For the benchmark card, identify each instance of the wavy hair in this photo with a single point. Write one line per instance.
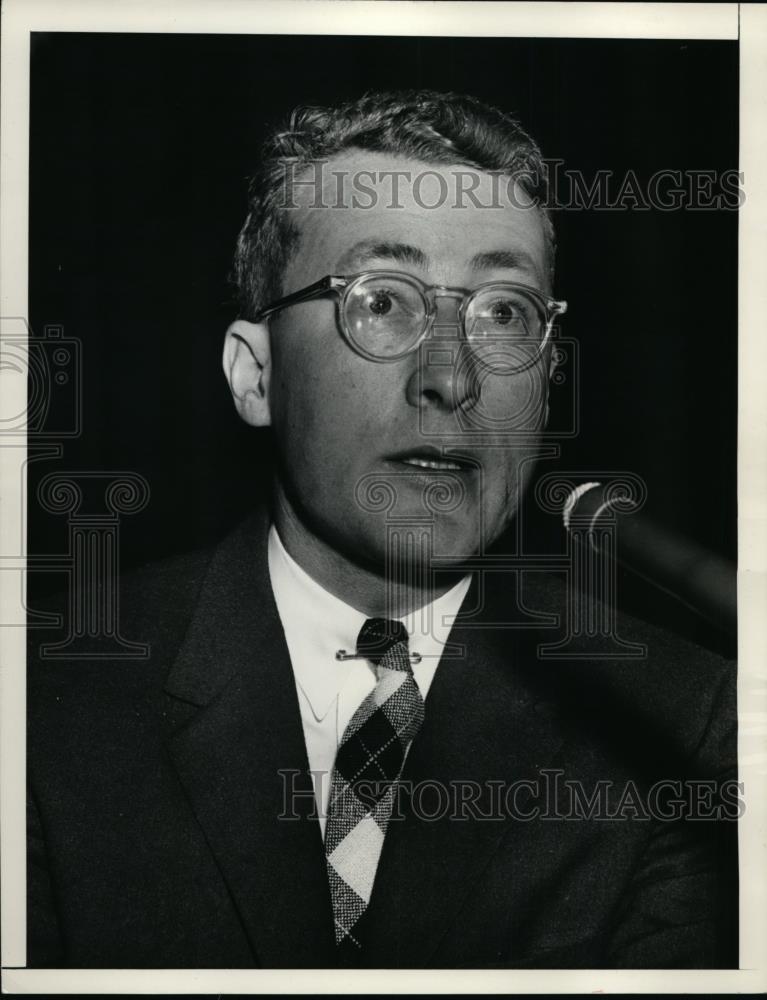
(436, 128)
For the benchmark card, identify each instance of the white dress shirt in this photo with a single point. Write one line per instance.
(316, 626)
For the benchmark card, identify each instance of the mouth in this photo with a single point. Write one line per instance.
(431, 460)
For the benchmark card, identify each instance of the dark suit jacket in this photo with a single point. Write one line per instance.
(155, 792)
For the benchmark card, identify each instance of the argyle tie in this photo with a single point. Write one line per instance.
(368, 765)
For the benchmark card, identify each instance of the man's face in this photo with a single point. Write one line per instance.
(438, 439)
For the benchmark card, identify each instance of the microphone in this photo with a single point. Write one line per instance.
(698, 578)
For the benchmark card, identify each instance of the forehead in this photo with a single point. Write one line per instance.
(450, 223)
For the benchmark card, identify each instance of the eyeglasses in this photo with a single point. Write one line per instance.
(386, 315)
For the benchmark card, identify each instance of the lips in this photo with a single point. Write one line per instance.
(425, 463)
(431, 460)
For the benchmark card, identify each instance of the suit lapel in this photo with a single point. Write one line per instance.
(237, 744)
(481, 726)
(236, 741)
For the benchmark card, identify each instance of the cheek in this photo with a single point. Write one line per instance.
(301, 379)
(320, 413)
(508, 404)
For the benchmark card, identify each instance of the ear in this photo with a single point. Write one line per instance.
(247, 366)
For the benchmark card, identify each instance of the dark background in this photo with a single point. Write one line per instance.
(140, 150)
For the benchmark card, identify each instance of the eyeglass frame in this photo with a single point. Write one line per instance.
(342, 285)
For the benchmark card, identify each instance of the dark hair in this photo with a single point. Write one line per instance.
(442, 128)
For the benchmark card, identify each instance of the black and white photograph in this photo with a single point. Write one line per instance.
(382, 593)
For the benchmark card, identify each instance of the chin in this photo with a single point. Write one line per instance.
(415, 545)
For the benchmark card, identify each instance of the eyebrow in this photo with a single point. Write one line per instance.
(366, 250)
(498, 259)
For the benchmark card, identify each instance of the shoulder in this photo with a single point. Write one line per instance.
(594, 628)
(119, 639)
(618, 670)
(124, 635)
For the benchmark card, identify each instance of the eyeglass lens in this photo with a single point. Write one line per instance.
(386, 315)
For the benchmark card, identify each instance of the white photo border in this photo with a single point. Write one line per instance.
(746, 23)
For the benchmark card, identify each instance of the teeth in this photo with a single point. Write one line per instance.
(424, 463)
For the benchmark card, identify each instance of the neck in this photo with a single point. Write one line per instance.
(365, 588)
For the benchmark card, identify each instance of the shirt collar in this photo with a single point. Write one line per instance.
(317, 624)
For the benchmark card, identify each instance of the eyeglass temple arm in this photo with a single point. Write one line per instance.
(326, 284)
(556, 308)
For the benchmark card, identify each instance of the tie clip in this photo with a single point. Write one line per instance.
(341, 654)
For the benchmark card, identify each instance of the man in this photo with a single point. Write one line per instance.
(340, 751)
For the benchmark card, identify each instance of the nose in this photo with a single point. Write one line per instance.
(442, 377)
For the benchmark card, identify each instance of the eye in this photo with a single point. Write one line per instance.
(380, 302)
(503, 312)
